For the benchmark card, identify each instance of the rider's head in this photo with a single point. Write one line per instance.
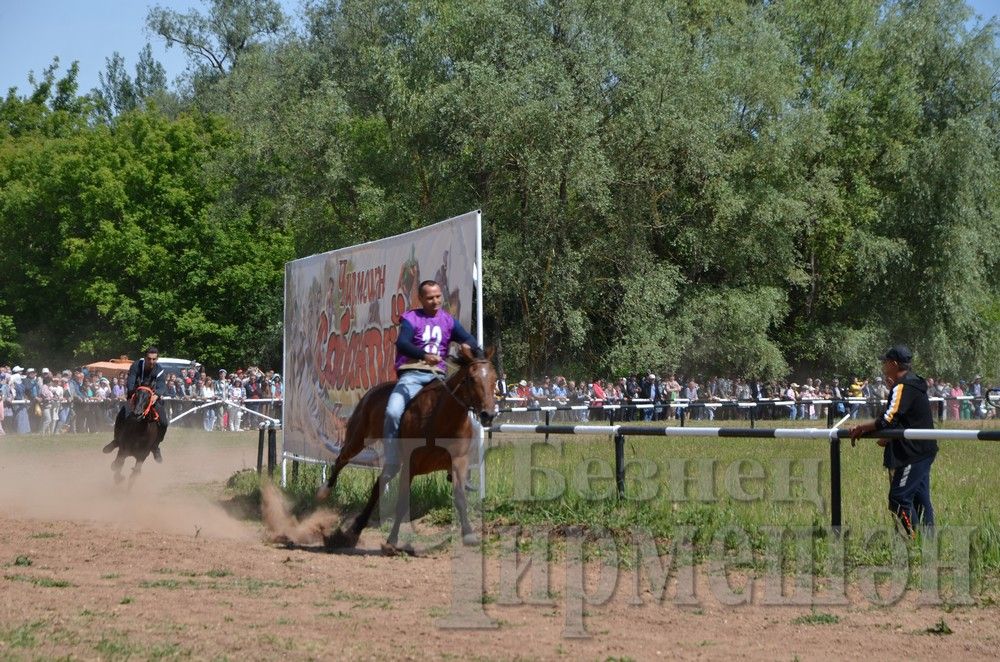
(151, 355)
(430, 297)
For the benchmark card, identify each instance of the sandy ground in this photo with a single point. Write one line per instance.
(90, 572)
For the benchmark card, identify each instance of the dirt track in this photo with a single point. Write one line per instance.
(169, 573)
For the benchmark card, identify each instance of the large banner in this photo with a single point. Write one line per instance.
(342, 313)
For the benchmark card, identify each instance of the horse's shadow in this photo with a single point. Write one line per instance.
(337, 551)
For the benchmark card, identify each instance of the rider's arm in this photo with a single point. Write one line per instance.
(160, 385)
(461, 336)
(133, 378)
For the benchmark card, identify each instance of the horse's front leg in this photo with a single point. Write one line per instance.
(136, 470)
(116, 466)
(391, 546)
(459, 476)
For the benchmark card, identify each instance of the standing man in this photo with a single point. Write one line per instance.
(908, 460)
(650, 391)
(145, 372)
(424, 336)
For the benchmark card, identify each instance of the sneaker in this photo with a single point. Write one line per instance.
(157, 456)
(110, 447)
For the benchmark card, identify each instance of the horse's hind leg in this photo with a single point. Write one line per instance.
(349, 538)
(324, 492)
(402, 511)
(340, 539)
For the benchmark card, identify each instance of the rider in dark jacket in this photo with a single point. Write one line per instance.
(145, 372)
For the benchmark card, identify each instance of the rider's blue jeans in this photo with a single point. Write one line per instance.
(409, 384)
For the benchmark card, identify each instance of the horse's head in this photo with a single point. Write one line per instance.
(478, 384)
(141, 403)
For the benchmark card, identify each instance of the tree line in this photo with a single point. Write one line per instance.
(747, 187)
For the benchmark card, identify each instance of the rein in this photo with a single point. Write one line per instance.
(149, 406)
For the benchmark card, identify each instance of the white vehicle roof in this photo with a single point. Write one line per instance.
(166, 359)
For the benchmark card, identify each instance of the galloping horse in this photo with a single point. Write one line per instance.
(435, 433)
(138, 433)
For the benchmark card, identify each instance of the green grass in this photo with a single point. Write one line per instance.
(583, 491)
(817, 618)
(940, 628)
(116, 646)
(45, 582)
(22, 636)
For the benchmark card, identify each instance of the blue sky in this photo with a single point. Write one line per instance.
(33, 31)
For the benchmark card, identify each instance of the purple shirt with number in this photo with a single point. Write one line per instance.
(431, 335)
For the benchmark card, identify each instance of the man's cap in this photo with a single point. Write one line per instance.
(46, 371)
(67, 373)
(222, 371)
(899, 354)
(522, 383)
(794, 385)
(17, 369)
(30, 370)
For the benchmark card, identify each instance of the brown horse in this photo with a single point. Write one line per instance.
(138, 434)
(435, 433)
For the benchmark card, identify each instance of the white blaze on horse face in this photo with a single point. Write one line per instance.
(484, 390)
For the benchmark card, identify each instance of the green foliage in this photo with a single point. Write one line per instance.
(114, 241)
(732, 332)
(706, 187)
(120, 92)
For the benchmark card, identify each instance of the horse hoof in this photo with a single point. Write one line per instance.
(470, 539)
(339, 540)
(323, 493)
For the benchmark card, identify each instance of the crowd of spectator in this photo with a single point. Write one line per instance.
(82, 400)
(708, 398)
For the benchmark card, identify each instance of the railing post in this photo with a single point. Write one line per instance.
(835, 512)
(260, 449)
(753, 415)
(548, 421)
(830, 413)
(272, 450)
(620, 464)
(683, 415)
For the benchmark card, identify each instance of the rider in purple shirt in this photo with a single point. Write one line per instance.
(424, 336)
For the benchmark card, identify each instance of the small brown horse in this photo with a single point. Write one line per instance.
(435, 433)
(138, 434)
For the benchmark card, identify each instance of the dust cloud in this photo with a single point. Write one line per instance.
(283, 527)
(42, 480)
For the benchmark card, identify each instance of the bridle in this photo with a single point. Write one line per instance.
(468, 378)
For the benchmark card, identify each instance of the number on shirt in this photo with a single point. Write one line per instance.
(432, 340)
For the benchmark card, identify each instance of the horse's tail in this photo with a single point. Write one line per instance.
(357, 424)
